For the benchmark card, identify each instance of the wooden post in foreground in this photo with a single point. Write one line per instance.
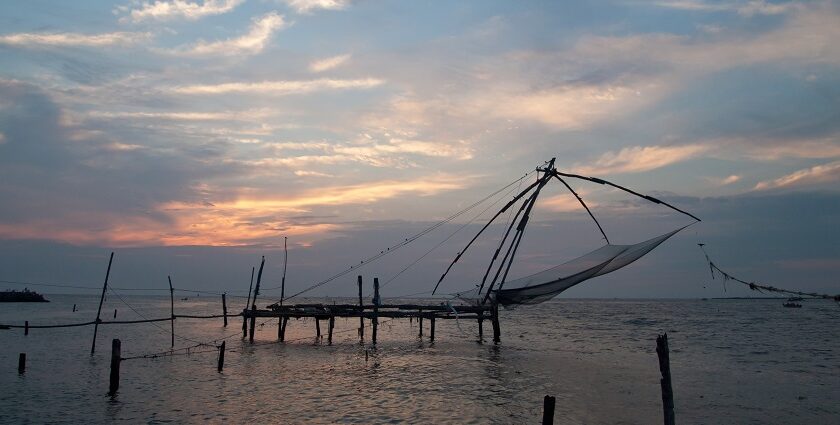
(548, 410)
(224, 308)
(361, 312)
(171, 309)
(420, 323)
(317, 328)
(101, 300)
(665, 382)
(26, 327)
(221, 364)
(22, 363)
(432, 329)
(114, 383)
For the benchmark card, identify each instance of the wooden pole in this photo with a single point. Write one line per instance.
(172, 309)
(665, 382)
(317, 328)
(361, 312)
(375, 308)
(432, 330)
(254, 301)
(224, 308)
(22, 363)
(26, 327)
(115, 313)
(101, 300)
(247, 303)
(114, 384)
(420, 334)
(332, 325)
(548, 410)
(74, 308)
(221, 364)
(497, 331)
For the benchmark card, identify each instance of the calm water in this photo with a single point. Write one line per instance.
(733, 362)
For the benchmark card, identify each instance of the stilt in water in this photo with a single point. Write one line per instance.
(376, 303)
(480, 327)
(361, 312)
(317, 328)
(74, 308)
(26, 327)
(497, 331)
(420, 321)
(115, 313)
(283, 329)
(22, 363)
(101, 300)
(332, 325)
(432, 329)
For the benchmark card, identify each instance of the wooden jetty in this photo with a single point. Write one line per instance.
(373, 312)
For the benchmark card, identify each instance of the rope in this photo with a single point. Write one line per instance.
(760, 288)
(403, 243)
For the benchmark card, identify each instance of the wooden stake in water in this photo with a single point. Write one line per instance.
(114, 383)
(22, 363)
(172, 309)
(247, 303)
(432, 330)
(221, 363)
(99, 310)
(665, 382)
(26, 327)
(332, 325)
(254, 302)
(224, 307)
(548, 410)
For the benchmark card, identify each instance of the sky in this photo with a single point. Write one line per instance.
(192, 137)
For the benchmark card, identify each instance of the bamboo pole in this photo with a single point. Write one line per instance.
(494, 311)
(172, 309)
(330, 333)
(317, 328)
(283, 329)
(22, 363)
(26, 328)
(99, 310)
(432, 330)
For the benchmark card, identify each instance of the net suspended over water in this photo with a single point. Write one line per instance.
(545, 285)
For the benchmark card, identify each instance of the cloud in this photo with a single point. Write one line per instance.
(279, 87)
(307, 6)
(824, 173)
(724, 181)
(253, 42)
(748, 8)
(328, 63)
(167, 10)
(641, 158)
(247, 115)
(74, 39)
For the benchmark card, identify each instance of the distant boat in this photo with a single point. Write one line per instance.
(792, 305)
(25, 296)
(184, 299)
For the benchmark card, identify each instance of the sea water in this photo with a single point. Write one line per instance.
(732, 362)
